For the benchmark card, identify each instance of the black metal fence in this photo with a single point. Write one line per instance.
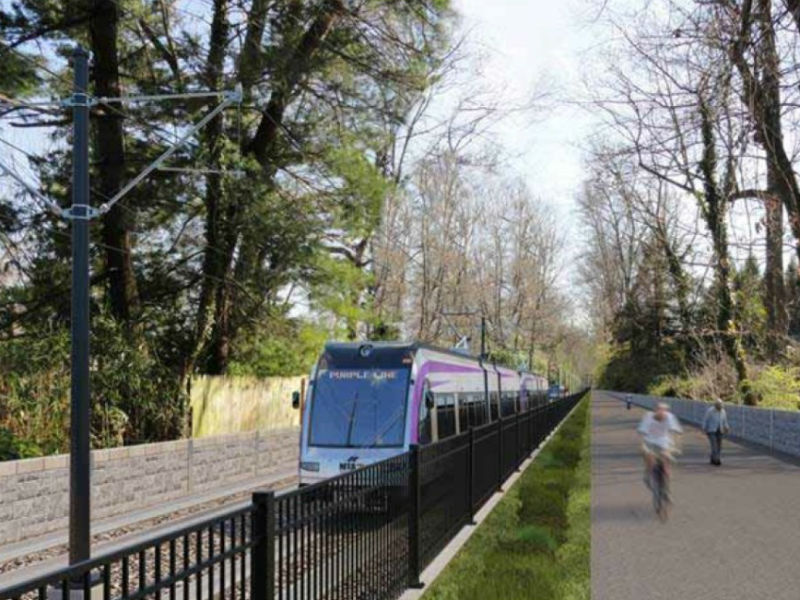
(367, 534)
(208, 559)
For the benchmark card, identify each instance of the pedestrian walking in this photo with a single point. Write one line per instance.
(715, 424)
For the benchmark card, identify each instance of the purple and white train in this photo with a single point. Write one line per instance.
(370, 401)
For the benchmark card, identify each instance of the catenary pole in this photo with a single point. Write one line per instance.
(483, 337)
(79, 214)
(80, 484)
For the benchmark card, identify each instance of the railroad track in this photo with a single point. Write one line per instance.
(37, 558)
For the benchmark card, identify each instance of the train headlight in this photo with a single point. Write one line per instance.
(309, 466)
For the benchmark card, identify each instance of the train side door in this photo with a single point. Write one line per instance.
(426, 425)
(457, 413)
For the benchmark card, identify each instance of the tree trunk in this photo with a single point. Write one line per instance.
(116, 224)
(775, 294)
(262, 146)
(285, 84)
(216, 257)
(714, 209)
(762, 98)
(778, 187)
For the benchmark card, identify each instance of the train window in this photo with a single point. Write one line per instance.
(463, 412)
(483, 410)
(475, 405)
(445, 415)
(424, 430)
(508, 404)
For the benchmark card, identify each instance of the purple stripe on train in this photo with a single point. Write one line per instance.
(435, 366)
(432, 366)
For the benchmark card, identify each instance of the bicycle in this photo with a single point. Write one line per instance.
(659, 485)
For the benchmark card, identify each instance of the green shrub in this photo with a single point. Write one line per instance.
(535, 538)
(548, 460)
(778, 387)
(544, 504)
(715, 378)
(133, 396)
(629, 370)
(13, 448)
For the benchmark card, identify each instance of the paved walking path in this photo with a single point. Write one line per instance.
(734, 532)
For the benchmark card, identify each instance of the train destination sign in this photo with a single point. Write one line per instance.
(348, 374)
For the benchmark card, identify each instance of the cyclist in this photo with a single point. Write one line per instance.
(657, 429)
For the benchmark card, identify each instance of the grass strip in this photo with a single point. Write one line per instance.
(536, 541)
(574, 556)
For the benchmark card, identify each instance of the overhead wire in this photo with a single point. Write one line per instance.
(158, 132)
(38, 196)
(38, 106)
(294, 142)
(292, 139)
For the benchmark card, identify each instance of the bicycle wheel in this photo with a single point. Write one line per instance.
(656, 490)
(660, 502)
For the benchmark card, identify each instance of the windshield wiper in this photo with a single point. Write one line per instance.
(352, 421)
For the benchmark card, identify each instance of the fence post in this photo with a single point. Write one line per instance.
(517, 453)
(415, 492)
(471, 477)
(540, 423)
(262, 556)
(499, 452)
(546, 420)
(531, 432)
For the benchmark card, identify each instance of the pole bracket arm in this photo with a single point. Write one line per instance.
(79, 99)
(235, 95)
(78, 212)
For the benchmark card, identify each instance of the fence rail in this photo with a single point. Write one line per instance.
(199, 561)
(367, 534)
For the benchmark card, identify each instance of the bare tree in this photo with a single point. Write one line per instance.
(681, 120)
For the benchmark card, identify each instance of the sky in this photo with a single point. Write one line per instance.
(529, 47)
(554, 44)
(534, 46)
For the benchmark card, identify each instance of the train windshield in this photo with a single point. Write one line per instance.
(359, 408)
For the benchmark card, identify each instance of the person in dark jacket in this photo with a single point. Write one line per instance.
(715, 424)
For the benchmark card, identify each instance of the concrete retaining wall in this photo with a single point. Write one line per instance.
(34, 491)
(774, 429)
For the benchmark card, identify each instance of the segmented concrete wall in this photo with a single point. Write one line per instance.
(34, 492)
(775, 429)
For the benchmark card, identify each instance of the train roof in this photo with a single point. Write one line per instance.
(401, 347)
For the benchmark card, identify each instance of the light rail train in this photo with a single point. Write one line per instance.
(369, 401)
